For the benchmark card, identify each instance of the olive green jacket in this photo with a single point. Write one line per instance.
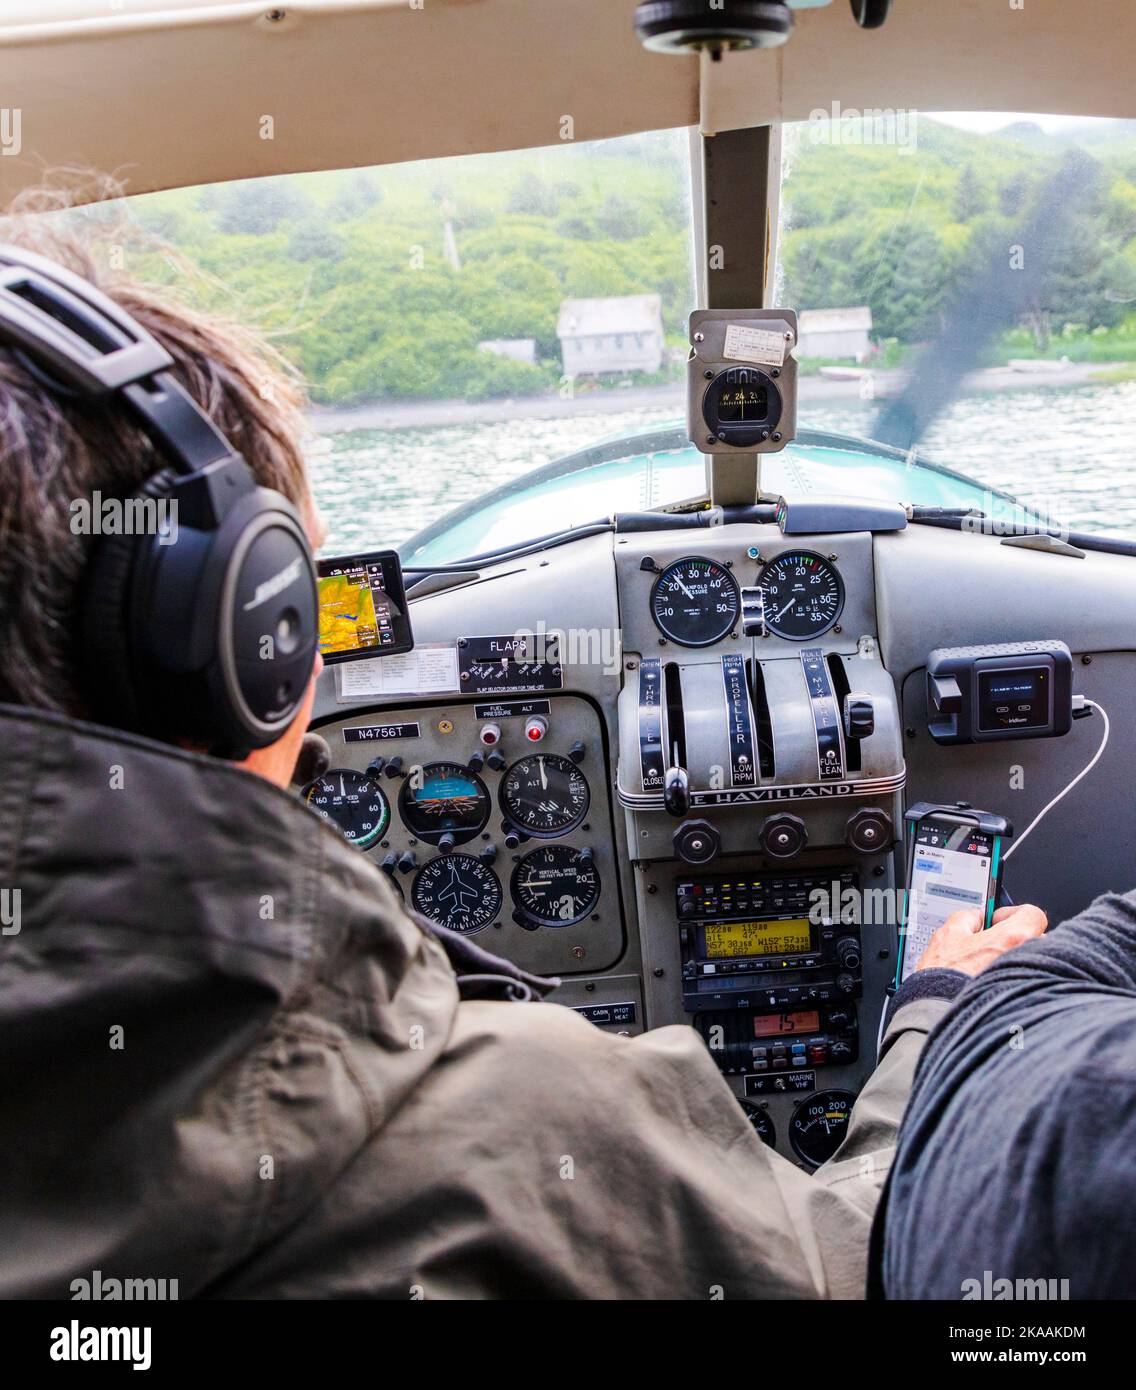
(229, 1057)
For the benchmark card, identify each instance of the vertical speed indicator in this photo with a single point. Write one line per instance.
(695, 602)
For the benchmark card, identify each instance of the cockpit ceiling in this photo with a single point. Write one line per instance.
(177, 92)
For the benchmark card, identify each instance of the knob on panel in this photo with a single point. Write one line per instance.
(676, 791)
(783, 836)
(869, 830)
(697, 842)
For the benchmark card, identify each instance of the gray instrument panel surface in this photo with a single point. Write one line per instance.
(449, 733)
(906, 593)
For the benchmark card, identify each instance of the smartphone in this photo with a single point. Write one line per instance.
(954, 861)
(362, 607)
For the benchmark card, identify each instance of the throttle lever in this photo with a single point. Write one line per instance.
(676, 791)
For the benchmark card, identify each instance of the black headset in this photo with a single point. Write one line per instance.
(203, 631)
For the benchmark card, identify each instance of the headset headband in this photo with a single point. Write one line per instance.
(175, 637)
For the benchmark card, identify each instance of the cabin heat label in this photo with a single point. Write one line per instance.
(826, 716)
(651, 723)
(739, 722)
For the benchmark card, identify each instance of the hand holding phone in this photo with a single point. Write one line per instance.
(962, 944)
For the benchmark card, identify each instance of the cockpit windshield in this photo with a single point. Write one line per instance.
(495, 343)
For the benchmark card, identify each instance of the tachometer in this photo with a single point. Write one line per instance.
(545, 794)
(819, 1125)
(695, 602)
(802, 594)
(457, 891)
(354, 801)
(443, 799)
(556, 886)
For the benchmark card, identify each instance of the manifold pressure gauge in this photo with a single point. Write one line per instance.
(695, 602)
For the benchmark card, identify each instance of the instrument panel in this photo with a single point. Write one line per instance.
(491, 820)
(707, 772)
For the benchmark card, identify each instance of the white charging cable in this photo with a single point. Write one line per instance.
(1079, 701)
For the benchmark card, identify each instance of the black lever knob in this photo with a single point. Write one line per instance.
(407, 861)
(848, 953)
(859, 715)
(394, 766)
(697, 842)
(476, 761)
(488, 854)
(495, 760)
(446, 843)
(577, 752)
(868, 830)
(512, 836)
(389, 862)
(783, 836)
(676, 791)
(586, 855)
(375, 766)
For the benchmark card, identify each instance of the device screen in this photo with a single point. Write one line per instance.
(951, 866)
(362, 607)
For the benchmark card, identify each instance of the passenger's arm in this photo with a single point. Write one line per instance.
(959, 950)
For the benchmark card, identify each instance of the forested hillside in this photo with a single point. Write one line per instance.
(351, 269)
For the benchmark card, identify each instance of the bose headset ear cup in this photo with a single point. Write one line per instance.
(209, 635)
(223, 626)
(109, 678)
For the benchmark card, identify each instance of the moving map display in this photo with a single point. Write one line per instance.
(362, 607)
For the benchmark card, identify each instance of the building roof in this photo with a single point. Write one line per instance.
(834, 320)
(627, 313)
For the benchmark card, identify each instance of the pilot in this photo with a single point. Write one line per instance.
(1014, 1173)
(230, 1059)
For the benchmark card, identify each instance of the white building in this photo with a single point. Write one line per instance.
(840, 333)
(518, 349)
(623, 334)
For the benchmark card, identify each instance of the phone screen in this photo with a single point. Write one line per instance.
(951, 865)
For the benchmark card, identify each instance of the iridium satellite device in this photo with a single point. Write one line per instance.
(741, 398)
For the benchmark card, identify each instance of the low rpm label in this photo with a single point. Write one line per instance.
(651, 723)
(826, 716)
(739, 723)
